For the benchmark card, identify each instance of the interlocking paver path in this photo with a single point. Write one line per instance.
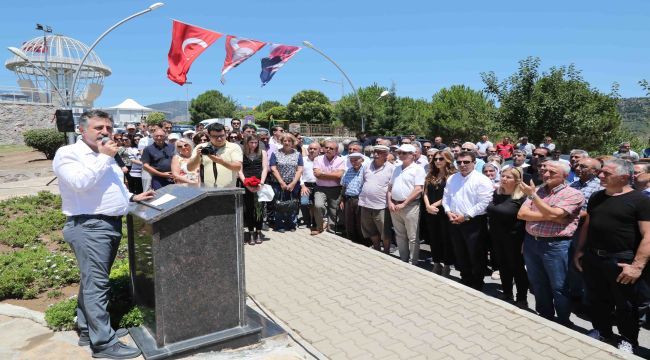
(351, 302)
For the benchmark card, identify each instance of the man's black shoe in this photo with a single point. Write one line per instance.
(117, 351)
(84, 339)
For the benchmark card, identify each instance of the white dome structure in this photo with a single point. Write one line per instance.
(59, 57)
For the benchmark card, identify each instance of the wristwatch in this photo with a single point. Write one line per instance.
(467, 217)
(532, 197)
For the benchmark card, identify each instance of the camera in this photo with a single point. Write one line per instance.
(208, 150)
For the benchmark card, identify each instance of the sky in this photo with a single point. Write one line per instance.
(420, 46)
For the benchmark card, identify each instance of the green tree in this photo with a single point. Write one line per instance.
(646, 86)
(414, 116)
(276, 112)
(267, 105)
(461, 112)
(212, 104)
(374, 110)
(154, 118)
(559, 103)
(309, 106)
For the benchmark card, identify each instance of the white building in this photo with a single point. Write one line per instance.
(127, 112)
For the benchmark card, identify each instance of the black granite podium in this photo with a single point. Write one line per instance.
(187, 272)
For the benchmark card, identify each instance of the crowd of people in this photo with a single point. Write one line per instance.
(574, 232)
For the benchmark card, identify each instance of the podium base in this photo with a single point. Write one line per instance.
(226, 339)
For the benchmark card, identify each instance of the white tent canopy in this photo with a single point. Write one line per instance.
(128, 111)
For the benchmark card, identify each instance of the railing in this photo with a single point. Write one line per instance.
(15, 94)
(321, 130)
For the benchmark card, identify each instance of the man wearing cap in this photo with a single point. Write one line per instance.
(172, 138)
(189, 134)
(375, 220)
(157, 160)
(403, 196)
(130, 129)
(352, 182)
(465, 200)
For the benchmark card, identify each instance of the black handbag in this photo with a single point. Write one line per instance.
(285, 208)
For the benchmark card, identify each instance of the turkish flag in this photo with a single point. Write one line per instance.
(278, 56)
(188, 42)
(237, 51)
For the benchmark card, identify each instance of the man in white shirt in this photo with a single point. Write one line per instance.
(94, 201)
(355, 147)
(308, 186)
(404, 194)
(482, 146)
(465, 200)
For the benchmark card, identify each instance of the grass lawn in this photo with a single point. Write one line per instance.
(8, 149)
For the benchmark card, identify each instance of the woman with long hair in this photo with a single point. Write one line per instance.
(507, 234)
(254, 163)
(286, 167)
(179, 163)
(442, 254)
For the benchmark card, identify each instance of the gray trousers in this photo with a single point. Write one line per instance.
(94, 242)
(405, 223)
(146, 180)
(326, 202)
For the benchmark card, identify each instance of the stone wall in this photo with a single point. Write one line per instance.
(16, 118)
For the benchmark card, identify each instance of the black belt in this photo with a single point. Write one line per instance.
(348, 197)
(625, 255)
(552, 238)
(311, 184)
(97, 216)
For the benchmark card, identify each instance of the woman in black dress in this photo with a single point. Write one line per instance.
(507, 234)
(255, 164)
(440, 169)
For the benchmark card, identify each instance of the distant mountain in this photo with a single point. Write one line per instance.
(636, 114)
(176, 111)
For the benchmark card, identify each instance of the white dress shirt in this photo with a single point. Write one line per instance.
(405, 180)
(90, 183)
(467, 195)
(307, 171)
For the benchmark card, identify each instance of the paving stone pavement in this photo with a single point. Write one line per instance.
(351, 302)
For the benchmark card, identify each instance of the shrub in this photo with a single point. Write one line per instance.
(132, 319)
(26, 273)
(23, 220)
(46, 141)
(61, 316)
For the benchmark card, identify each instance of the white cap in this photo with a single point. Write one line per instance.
(381, 148)
(173, 136)
(188, 132)
(355, 155)
(407, 148)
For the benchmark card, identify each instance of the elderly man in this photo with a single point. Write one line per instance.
(551, 213)
(533, 172)
(352, 182)
(465, 200)
(94, 199)
(157, 160)
(616, 243)
(375, 220)
(438, 144)
(624, 150)
(548, 144)
(641, 168)
(588, 183)
(403, 196)
(525, 146)
(574, 158)
(328, 169)
(308, 186)
(355, 147)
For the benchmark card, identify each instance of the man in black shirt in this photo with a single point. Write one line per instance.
(612, 253)
(157, 160)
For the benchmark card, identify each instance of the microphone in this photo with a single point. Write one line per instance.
(105, 139)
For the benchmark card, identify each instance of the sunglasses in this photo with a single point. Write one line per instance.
(467, 149)
(439, 159)
(233, 138)
(463, 162)
(538, 155)
(182, 146)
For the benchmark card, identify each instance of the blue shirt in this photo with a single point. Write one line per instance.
(587, 188)
(353, 181)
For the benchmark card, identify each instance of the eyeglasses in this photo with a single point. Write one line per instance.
(492, 151)
(380, 152)
(583, 166)
(538, 155)
(439, 159)
(426, 146)
(233, 138)
(280, 130)
(463, 162)
(182, 146)
(467, 149)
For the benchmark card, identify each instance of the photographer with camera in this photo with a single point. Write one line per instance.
(221, 159)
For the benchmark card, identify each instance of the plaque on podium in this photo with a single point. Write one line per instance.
(187, 271)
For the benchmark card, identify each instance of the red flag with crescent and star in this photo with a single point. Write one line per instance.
(238, 50)
(188, 42)
(278, 56)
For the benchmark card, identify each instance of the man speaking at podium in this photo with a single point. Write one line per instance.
(94, 201)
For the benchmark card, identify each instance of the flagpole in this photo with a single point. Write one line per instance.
(354, 89)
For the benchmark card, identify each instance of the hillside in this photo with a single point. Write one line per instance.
(176, 111)
(636, 115)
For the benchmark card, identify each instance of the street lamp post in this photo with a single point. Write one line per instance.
(46, 29)
(23, 56)
(187, 99)
(90, 49)
(354, 90)
(336, 82)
